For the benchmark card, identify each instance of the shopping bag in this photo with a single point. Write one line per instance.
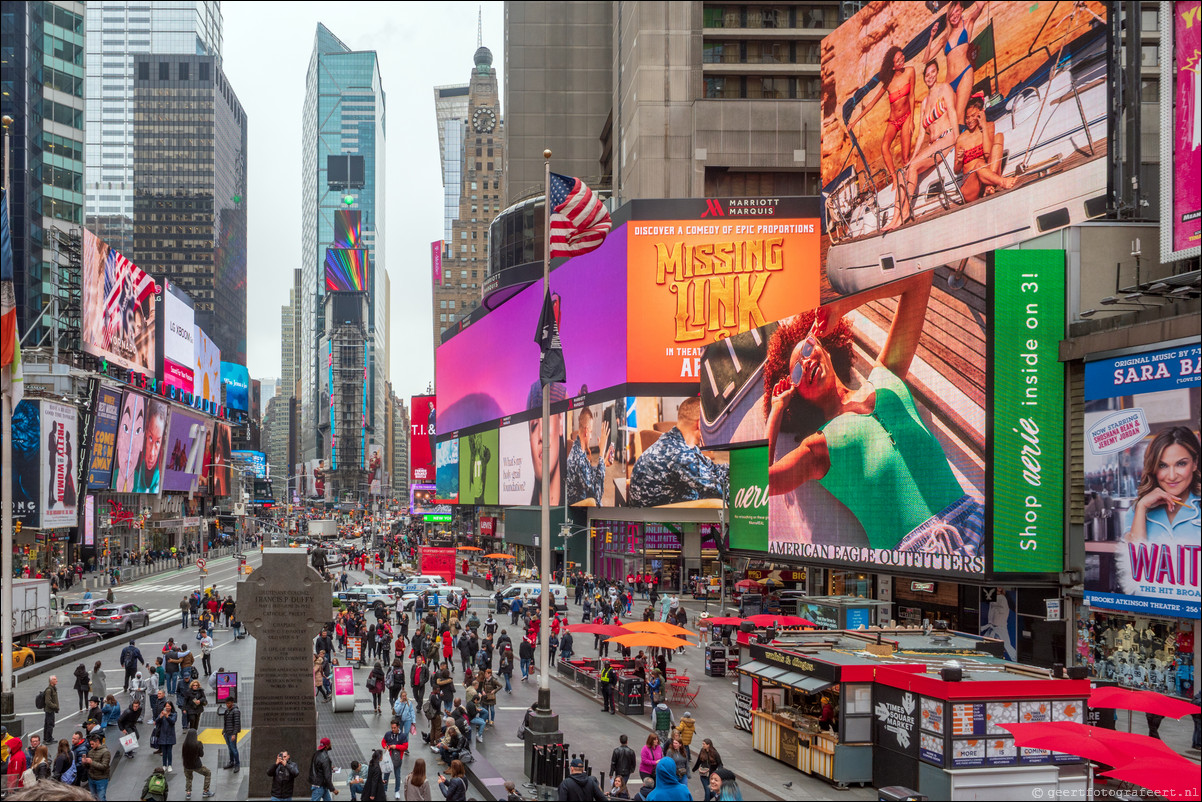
(129, 742)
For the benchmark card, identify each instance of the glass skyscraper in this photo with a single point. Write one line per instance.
(343, 114)
(117, 31)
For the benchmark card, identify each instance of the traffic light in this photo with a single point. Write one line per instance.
(609, 537)
(17, 527)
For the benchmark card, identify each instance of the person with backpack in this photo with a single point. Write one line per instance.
(131, 656)
(418, 678)
(47, 702)
(156, 788)
(75, 775)
(394, 680)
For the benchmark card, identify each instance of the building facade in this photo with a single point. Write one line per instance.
(343, 115)
(42, 88)
(450, 114)
(481, 191)
(189, 179)
(117, 31)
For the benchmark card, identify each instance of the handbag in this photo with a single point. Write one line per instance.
(129, 742)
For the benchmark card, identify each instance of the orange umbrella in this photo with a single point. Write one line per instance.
(659, 628)
(470, 548)
(649, 639)
(498, 556)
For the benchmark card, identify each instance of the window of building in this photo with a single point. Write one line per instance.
(723, 86)
(442, 319)
(774, 88)
(204, 72)
(490, 167)
(164, 71)
(477, 167)
(479, 151)
(143, 70)
(1150, 56)
(442, 304)
(1149, 90)
(183, 71)
(1150, 20)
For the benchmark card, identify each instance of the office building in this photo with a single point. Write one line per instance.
(42, 89)
(189, 182)
(450, 113)
(117, 31)
(343, 116)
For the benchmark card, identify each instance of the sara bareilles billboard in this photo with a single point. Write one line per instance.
(421, 439)
(118, 307)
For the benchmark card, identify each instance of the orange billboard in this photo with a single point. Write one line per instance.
(739, 264)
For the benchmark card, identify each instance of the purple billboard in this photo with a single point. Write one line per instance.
(185, 448)
(477, 383)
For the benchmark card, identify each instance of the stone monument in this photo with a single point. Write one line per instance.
(284, 605)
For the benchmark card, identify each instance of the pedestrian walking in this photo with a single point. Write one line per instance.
(99, 685)
(374, 788)
(49, 708)
(708, 761)
(83, 684)
(321, 773)
(99, 764)
(130, 658)
(417, 787)
(395, 744)
(164, 734)
(662, 721)
(686, 728)
(231, 727)
(192, 753)
(650, 756)
(128, 724)
(622, 762)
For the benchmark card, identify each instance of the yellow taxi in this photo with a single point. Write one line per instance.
(22, 656)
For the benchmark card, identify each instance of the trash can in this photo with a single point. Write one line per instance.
(899, 793)
(631, 692)
(715, 661)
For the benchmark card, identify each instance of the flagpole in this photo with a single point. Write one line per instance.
(544, 629)
(6, 505)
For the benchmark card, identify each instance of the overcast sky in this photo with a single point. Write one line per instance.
(420, 46)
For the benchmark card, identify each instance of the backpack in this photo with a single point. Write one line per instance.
(39, 701)
(157, 784)
(68, 777)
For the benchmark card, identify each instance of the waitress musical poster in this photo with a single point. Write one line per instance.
(1142, 513)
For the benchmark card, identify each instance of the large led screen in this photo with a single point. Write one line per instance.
(131, 437)
(876, 410)
(693, 282)
(1181, 134)
(1142, 495)
(60, 450)
(206, 381)
(26, 433)
(489, 370)
(952, 129)
(521, 446)
(447, 472)
(375, 468)
(421, 501)
(478, 468)
(346, 269)
(104, 439)
(215, 473)
(178, 346)
(348, 228)
(421, 439)
(185, 451)
(252, 462)
(237, 386)
(118, 307)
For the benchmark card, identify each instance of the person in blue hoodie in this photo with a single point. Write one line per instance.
(668, 786)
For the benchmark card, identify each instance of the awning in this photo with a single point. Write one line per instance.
(783, 676)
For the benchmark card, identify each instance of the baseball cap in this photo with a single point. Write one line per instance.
(577, 763)
(324, 743)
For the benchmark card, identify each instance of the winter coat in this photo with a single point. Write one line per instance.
(686, 727)
(164, 729)
(284, 777)
(650, 758)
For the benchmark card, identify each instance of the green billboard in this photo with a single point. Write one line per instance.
(1028, 412)
(749, 498)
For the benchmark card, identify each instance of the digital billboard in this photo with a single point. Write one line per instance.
(237, 386)
(478, 468)
(60, 444)
(375, 468)
(520, 475)
(254, 462)
(131, 437)
(206, 381)
(117, 316)
(693, 282)
(185, 450)
(1142, 495)
(348, 228)
(876, 411)
(346, 269)
(421, 501)
(215, 474)
(953, 129)
(107, 416)
(1180, 132)
(749, 498)
(177, 343)
(489, 370)
(446, 471)
(421, 439)
(148, 472)
(26, 462)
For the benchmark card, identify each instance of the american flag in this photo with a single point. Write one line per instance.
(579, 221)
(125, 286)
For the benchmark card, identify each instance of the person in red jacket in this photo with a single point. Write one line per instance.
(16, 762)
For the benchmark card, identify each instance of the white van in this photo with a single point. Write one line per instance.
(367, 595)
(559, 594)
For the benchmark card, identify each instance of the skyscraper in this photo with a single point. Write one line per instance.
(117, 30)
(450, 113)
(481, 190)
(42, 89)
(189, 182)
(343, 115)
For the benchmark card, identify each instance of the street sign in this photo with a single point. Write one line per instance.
(200, 563)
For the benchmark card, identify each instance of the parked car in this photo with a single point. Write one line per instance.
(80, 612)
(440, 595)
(367, 596)
(22, 656)
(57, 640)
(118, 618)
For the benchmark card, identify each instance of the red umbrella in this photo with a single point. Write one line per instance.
(720, 621)
(1144, 701)
(767, 620)
(1093, 743)
(747, 584)
(1173, 777)
(608, 630)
